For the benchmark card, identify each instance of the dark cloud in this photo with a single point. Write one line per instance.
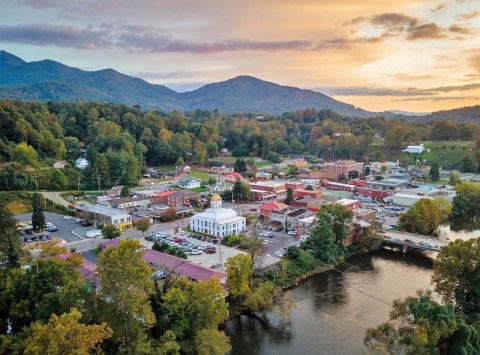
(425, 31)
(469, 15)
(461, 30)
(412, 28)
(370, 91)
(42, 34)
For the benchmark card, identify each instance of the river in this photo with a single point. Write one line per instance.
(334, 308)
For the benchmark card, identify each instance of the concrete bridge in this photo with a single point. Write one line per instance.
(413, 241)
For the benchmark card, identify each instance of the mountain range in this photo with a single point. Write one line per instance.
(47, 80)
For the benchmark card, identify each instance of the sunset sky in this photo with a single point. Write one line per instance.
(412, 55)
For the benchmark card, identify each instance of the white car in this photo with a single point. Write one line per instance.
(265, 242)
(67, 217)
(195, 252)
(182, 233)
(295, 244)
(279, 253)
(292, 232)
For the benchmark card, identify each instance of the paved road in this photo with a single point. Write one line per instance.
(65, 226)
(55, 197)
(416, 240)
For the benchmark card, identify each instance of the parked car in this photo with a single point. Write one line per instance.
(67, 217)
(211, 251)
(265, 242)
(195, 252)
(52, 229)
(183, 233)
(253, 209)
(215, 241)
(279, 253)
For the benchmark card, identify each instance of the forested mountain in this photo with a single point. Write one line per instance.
(47, 80)
(463, 114)
(117, 140)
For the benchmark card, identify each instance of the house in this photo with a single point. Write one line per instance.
(182, 198)
(304, 225)
(363, 214)
(342, 167)
(189, 183)
(313, 183)
(415, 149)
(81, 163)
(262, 175)
(115, 191)
(233, 177)
(279, 166)
(273, 206)
(184, 169)
(337, 186)
(220, 184)
(300, 163)
(221, 168)
(60, 164)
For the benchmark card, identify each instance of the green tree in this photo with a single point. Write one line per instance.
(418, 325)
(25, 154)
(454, 179)
(241, 191)
(457, 273)
(239, 271)
(288, 197)
(65, 335)
(211, 341)
(179, 161)
(125, 192)
(240, 166)
(444, 206)
(38, 218)
(169, 344)
(126, 289)
(434, 172)
(11, 252)
(467, 200)
(261, 297)
(110, 232)
(353, 174)
(423, 217)
(142, 225)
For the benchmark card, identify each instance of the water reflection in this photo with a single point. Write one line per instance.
(461, 228)
(334, 308)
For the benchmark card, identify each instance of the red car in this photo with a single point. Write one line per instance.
(211, 251)
(178, 240)
(253, 209)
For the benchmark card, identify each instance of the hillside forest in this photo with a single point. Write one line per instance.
(118, 141)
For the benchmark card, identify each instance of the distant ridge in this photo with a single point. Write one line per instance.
(47, 80)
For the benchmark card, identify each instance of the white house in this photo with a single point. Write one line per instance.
(218, 221)
(189, 183)
(415, 149)
(81, 163)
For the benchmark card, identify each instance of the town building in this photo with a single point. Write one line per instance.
(262, 176)
(350, 204)
(311, 182)
(220, 184)
(217, 221)
(295, 185)
(375, 194)
(316, 194)
(184, 169)
(342, 167)
(221, 168)
(189, 183)
(182, 198)
(303, 226)
(364, 214)
(130, 202)
(300, 163)
(233, 177)
(273, 206)
(105, 216)
(307, 202)
(262, 190)
(415, 149)
(337, 186)
(391, 184)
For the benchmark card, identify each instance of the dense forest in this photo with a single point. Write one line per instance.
(118, 140)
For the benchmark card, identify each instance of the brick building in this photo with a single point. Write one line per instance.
(341, 167)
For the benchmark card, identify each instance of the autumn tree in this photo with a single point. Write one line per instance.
(38, 218)
(211, 341)
(239, 271)
(126, 288)
(142, 225)
(467, 200)
(423, 217)
(110, 231)
(170, 214)
(65, 335)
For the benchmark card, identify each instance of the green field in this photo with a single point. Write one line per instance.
(447, 154)
(199, 189)
(201, 175)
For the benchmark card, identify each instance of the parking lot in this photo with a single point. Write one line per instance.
(65, 226)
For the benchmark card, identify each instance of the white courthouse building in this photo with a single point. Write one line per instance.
(218, 221)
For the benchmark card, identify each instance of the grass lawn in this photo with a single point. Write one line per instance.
(448, 153)
(199, 189)
(201, 175)
(262, 163)
(225, 159)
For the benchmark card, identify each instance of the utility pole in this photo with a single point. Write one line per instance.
(79, 179)
(98, 182)
(35, 176)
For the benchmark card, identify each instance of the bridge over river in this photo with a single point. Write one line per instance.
(415, 241)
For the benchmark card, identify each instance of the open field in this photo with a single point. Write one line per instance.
(448, 154)
(201, 175)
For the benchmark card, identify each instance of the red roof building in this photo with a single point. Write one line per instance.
(267, 208)
(233, 177)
